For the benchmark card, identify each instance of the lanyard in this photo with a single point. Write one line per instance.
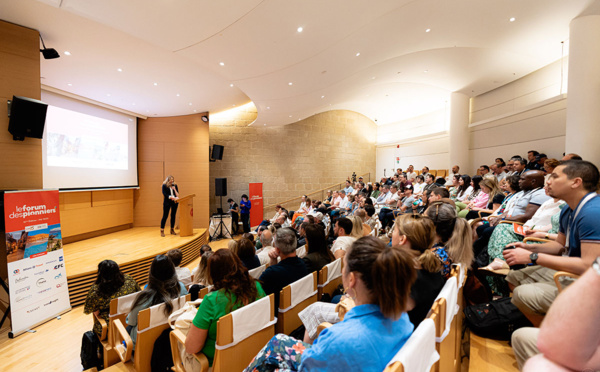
(572, 218)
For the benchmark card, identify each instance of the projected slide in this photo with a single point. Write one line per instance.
(82, 141)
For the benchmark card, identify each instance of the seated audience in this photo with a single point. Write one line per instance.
(317, 254)
(519, 165)
(576, 247)
(342, 232)
(571, 157)
(498, 171)
(362, 215)
(233, 288)
(549, 166)
(419, 185)
(288, 270)
(110, 283)
(410, 173)
(475, 198)
(429, 182)
(162, 287)
(378, 278)
(532, 163)
(455, 187)
(438, 194)
(464, 188)
(420, 206)
(205, 248)
(201, 277)
(244, 249)
(184, 274)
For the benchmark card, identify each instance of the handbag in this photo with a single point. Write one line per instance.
(182, 320)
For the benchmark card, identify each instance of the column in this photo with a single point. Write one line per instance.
(459, 132)
(583, 102)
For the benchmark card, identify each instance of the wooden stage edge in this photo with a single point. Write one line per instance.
(133, 249)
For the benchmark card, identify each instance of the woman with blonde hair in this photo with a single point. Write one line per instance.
(200, 275)
(357, 227)
(170, 193)
(495, 200)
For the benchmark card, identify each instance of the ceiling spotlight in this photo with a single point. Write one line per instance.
(133, 104)
(204, 118)
(195, 110)
(300, 29)
(425, 71)
(177, 94)
(512, 19)
(69, 84)
(190, 103)
(155, 84)
(428, 30)
(373, 78)
(222, 63)
(290, 116)
(268, 107)
(67, 53)
(322, 96)
(108, 94)
(358, 54)
(265, 124)
(48, 53)
(120, 69)
(231, 85)
(290, 83)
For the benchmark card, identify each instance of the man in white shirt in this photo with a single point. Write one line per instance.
(342, 230)
(410, 173)
(184, 275)
(386, 214)
(455, 170)
(498, 172)
(266, 238)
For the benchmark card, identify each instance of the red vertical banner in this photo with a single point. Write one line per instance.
(256, 197)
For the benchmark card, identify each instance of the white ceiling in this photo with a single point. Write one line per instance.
(402, 71)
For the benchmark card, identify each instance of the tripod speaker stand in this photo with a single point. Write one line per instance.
(219, 234)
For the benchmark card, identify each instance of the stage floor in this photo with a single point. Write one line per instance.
(133, 249)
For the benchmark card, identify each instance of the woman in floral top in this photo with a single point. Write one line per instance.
(111, 283)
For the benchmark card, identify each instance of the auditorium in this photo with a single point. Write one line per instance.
(299, 185)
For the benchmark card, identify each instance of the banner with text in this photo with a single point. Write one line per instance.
(37, 277)
(256, 197)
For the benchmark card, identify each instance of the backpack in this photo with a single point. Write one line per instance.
(497, 319)
(91, 351)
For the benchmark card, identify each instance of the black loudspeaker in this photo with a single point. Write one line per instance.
(217, 152)
(220, 186)
(27, 118)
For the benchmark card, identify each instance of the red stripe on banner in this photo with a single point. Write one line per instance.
(256, 197)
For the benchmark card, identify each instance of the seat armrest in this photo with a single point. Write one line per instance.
(177, 337)
(121, 341)
(103, 324)
(532, 239)
(513, 222)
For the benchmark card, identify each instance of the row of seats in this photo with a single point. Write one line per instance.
(234, 351)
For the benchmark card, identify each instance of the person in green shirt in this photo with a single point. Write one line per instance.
(233, 288)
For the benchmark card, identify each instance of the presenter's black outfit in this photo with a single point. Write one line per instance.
(168, 205)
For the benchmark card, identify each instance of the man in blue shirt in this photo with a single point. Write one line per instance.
(577, 245)
(348, 189)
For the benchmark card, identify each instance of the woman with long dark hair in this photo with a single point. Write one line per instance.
(163, 287)
(317, 254)
(244, 249)
(464, 188)
(170, 193)
(110, 283)
(233, 288)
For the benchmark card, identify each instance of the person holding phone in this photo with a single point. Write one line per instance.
(245, 205)
(171, 196)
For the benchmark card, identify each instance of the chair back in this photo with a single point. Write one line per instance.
(151, 323)
(418, 353)
(301, 252)
(446, 332)
(329, 278)
(242, 333)
(442, 173)
(257, 272)
(118, 309)
(293, 299)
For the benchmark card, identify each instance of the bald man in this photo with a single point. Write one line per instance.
(571, 157)
(266, 239)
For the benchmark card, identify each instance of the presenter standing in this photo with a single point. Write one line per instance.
(171, 194)
(245, 206)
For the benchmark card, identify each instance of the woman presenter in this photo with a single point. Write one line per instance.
(171, 194)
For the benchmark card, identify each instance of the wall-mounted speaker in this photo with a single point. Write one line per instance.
(220, 186)
(27, 118)
(217, 152)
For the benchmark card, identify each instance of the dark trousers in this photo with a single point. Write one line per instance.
(166, 208)
(246, 222)
(234, 223)
(386, 216)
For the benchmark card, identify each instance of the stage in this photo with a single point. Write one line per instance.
(133, 249)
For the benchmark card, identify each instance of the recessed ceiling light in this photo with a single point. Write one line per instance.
(425, 70)
(190, 103)
(222, 63)
(67, 53)
(428, 30)
(231, 85)
(120, 69)
(108, 94)
(512, 19)
(133, 104)
(233, 105)
(358, 54)
(290, 83)
(268, 107)
(322, 96)
(177, 94)
(300, 29)
(69, 84)
(265, 124)
(132, 119)
(155, 84)
(290, 116)
(195, 110)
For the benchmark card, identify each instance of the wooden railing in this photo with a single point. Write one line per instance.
(294, 203)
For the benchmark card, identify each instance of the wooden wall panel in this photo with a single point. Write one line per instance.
(21, 161)
(177, 146)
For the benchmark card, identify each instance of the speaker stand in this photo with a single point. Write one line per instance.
(220, 227)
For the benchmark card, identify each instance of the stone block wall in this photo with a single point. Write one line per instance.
(289, 160)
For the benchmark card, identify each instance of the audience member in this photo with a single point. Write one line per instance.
(110, 283)
(317, 254)
(464, 188)
(410, 173)
(480, 199)
(498, 172)
(200, 275)
(532, 161)
(234, 211)
(244, 249)
(267, 242)
(184, 274)
(453, 191)
(342, 232)
(288, 270)
(490, 187)
(378, 278)
(163, 287)
(571, 157)
(429, 182)
(419, 185)
(233, 288)
(518, 165)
